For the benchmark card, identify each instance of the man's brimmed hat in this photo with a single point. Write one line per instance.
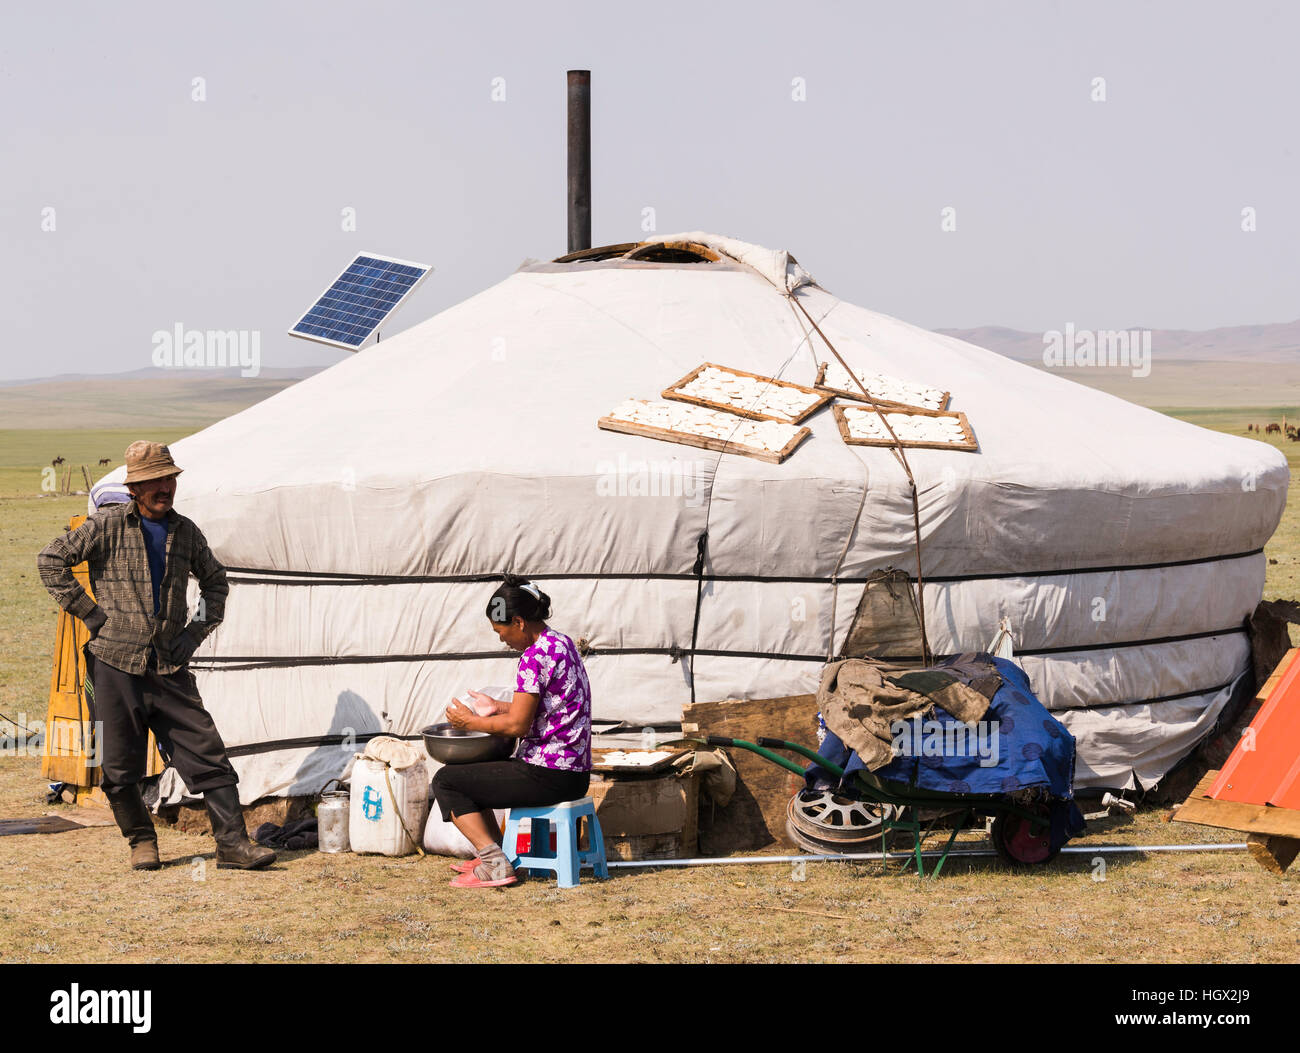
(149, 460)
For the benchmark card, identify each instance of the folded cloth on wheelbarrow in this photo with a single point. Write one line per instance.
(1015, 745)
(862, 699)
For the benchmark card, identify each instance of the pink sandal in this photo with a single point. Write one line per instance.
(470, 881)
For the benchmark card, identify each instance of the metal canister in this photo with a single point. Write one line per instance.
(332, 821)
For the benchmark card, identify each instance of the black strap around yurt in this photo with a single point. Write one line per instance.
(259, 576)
(228, 663)
(318, 741)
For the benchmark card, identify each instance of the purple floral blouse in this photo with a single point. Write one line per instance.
(560, 735)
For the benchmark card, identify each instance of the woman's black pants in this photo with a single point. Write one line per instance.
(463, 788)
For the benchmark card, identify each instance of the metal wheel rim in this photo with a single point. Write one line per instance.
(832, 819)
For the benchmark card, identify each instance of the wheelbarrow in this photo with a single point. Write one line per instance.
(1020, 831)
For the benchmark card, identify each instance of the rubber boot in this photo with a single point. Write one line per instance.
(134, 821)
(234, 850)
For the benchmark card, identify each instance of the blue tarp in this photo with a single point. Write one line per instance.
(1018, 745)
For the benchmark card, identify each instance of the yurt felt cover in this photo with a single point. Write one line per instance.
(364, 512)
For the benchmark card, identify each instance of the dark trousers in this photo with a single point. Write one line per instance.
(463, 788)
(127, 707)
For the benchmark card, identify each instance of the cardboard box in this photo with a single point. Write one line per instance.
(647, 817)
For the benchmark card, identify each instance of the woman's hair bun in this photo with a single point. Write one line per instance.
(518, 597)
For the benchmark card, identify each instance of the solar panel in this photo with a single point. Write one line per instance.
(361, 298)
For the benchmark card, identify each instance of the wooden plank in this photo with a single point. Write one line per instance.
(1266, 689)
(704, 442)
(1230, 815)
(672, 392)
(599, 252)
(600, 763)
(650, 248)
(793, 444)
(969, 444)
(1202, 788)
(820, 385)
(1274, 854)
(755, 817)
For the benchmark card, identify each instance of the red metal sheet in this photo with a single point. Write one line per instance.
(1265, 766)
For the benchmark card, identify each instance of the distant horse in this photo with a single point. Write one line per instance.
(57, 461)
(105, 460)
(1272, 428)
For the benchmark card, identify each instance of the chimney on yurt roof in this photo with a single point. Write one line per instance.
(579, 159)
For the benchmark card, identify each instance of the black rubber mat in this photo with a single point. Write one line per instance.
(43, 824)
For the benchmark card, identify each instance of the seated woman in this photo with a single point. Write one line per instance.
(550, 714)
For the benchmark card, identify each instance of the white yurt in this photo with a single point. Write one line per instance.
(365, 515)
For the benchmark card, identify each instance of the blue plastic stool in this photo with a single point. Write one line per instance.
(566, 860)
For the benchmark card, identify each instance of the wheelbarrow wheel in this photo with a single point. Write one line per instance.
(827, 822)
(1019, 844)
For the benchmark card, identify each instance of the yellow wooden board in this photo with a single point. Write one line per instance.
(69, 751)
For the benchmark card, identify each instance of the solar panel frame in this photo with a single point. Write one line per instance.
(370, 314)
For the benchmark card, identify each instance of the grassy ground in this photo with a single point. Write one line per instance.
(1173, 384)
(1283, 549)
(188, 399)
(70, 897)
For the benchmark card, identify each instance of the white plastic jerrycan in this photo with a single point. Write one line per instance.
(390, 797)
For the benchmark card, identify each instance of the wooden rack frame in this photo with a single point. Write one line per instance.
(704, 442)
(969, 445)
(820, 385)
(672, 392)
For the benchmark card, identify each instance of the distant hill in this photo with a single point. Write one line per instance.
(154, 373)
(158, 397)
(1276, 342)
(1247, 365)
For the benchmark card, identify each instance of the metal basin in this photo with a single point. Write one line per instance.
(450, 745)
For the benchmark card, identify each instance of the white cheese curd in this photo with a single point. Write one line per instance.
(772, 436)
(866, 424)
(635, 759)
(748, 393)
(883, 386)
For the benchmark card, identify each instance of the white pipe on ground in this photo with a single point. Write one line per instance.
(877, 857)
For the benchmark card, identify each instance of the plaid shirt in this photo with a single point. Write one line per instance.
(112, 543)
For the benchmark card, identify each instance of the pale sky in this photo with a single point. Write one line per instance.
(226, 213)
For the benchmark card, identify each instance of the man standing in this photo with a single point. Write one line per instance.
(141, 556)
